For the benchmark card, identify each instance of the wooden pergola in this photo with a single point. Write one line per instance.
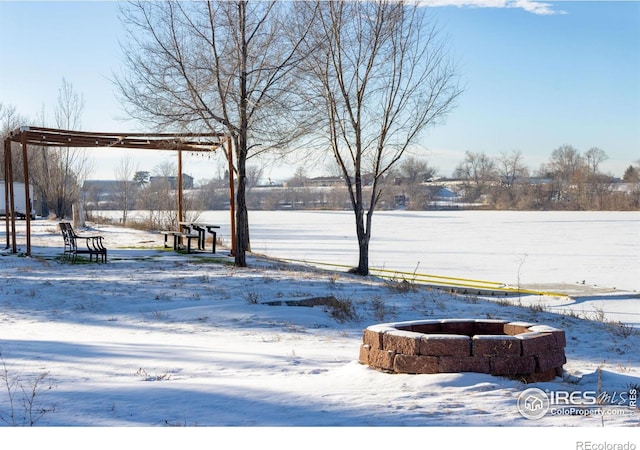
(51, 137)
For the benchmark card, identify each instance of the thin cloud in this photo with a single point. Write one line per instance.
(532, 6)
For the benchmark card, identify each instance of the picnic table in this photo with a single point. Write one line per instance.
(177, 239)
(201, 229)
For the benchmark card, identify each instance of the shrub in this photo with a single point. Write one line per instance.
(25, 403)
(342, 310)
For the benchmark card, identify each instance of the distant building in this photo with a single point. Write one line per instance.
(108, 193)
(367, 180)
(104, 193)
(187, 181)
(100, 185)
(324, 182)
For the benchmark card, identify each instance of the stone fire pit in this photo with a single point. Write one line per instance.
(518, 350)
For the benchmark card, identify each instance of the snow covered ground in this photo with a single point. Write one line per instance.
(159, 339)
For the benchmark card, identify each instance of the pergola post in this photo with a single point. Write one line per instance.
(27, 192)
(10, 216)
(7, 151)
(180, 215)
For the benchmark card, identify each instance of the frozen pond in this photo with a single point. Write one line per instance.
(597, 248)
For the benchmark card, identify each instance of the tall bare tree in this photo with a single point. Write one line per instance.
(511, 167)
(215, 66)
(126, 185)
(594, 157)
(59, 172)
(565, 162)
(381, 74)
(10, 119)
(417, 170)
(411, 191)
(478, 170)
(158, 196)
(75, 163)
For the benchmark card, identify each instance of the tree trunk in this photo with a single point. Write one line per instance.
(363, 249)
(362, 232)
(242, 224)
(242, 216)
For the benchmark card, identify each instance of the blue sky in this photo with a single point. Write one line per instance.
(537, 75)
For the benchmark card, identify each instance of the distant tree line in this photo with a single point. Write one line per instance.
(570, 180)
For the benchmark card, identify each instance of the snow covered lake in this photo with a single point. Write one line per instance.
(597, 248)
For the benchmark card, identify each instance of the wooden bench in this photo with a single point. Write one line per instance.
(93, 245)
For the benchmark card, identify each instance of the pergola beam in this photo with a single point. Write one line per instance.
(52, 137)
(49, 137)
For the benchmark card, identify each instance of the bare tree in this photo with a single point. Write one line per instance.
(566, 165)
(299, 177)
(380, 74)
(10, 119)
(254, 175)
(212, 66)
(416, 170)
(410, 190)
(594, 157)
(511, 169)
(158, 197)
(566, 161)
(478, 170)
(126, 185)
(60, 172)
